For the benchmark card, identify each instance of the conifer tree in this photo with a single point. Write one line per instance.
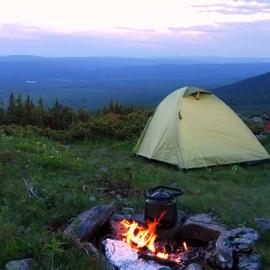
(67, 117)
(40, 114)
(56, 115)
(11, 110)
(19, 109)
(28, 111)
(2, 112)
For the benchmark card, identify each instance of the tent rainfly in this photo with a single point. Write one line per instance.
(192, 128)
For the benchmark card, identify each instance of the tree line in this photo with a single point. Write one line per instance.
(114, 120)
(23, 112)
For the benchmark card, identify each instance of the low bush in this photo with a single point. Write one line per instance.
(255, 127)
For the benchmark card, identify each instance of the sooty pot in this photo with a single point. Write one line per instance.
(160, 201)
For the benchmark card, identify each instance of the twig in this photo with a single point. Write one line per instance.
(30, 189)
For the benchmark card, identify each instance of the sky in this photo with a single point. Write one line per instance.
(135, 28)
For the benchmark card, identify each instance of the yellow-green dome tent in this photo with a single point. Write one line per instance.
(193, 128)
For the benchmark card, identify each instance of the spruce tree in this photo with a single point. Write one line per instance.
(56, 115)
(28, 111)
(2, 112)
(40, 114)
(11, 110)
(19, 109)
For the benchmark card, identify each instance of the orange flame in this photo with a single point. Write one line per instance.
(139, 237)
(185, 246)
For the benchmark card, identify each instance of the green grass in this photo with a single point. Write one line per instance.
(67, 178)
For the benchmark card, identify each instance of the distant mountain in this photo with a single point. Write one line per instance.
(94, 81)
(251, 92)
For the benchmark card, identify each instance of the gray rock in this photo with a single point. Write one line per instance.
(194, 266)
(201, 227)
(243, 239)
(224, 252)
(251, 261)
(104, 169)
(263, 223)
(236, 240)
(85, 225)
(19, 265)
(92, 198)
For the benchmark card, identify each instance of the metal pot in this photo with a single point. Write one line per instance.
(160, 200)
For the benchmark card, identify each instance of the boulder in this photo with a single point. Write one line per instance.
(19, 265)
(224, 252)
(243, 239)
(236, 240)
(86, 224)
(251, 261)
(201, 227)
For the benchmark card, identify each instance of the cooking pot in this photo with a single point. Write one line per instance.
(160, 201)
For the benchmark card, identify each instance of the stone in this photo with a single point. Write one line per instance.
(122, 257)
(201, 227)
(243, 239)
(236, 240)
(224, 252)
(19, 265)
(194, 266)
(211, 258)
(263, 223)
(251, 261)
(86, 224)
(92, 199)
(104, 169)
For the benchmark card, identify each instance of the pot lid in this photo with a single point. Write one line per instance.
(162, 193)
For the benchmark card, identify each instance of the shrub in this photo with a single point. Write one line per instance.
(123, 126)
(256, 128)
(80, 131)
(56, 135)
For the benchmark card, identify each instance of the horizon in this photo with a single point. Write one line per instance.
(179, 57)
(152, 29)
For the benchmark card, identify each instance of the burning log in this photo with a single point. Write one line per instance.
(144, 241)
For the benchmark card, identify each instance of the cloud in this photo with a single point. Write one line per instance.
(223, 39)
(236, 7)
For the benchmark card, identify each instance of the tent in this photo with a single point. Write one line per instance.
(193, 128)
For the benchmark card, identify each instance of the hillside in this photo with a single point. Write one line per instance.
(254, 91)
(95, 81)
(71, 178)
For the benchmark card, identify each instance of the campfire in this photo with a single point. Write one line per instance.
(164, 238)
(144, 241)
